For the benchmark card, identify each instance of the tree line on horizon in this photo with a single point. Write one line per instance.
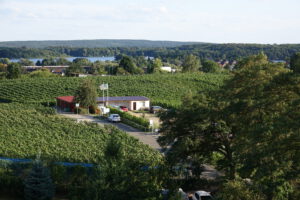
(204, 51)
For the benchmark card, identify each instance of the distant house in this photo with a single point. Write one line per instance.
(67, 103)
(79, 75)
(167, 69)
(58, 72)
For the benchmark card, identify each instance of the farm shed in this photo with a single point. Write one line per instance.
(131, 102)
(66, 103)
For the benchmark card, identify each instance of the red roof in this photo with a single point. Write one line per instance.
(69, 99)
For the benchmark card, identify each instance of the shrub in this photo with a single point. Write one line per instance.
(80, 110)
(38, 185)
(238, 190)
(131, 120)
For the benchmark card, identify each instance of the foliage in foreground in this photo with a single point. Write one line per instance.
(38, 184)
(252, 123)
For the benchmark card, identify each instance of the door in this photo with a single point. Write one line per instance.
(134, 105)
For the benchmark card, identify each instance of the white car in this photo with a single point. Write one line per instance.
(114, 118)
(202, 195)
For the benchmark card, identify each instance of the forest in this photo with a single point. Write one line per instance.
(165, 52)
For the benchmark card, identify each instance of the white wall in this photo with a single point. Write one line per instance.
(140, 105)
(129, 104)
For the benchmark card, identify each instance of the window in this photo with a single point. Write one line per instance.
(144, 103)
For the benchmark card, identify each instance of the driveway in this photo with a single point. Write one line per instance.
(145, 137)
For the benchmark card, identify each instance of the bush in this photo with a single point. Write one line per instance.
(38, 184)
(131, 120)
(46, 110)
(93, 109)
(238, 190)
(82, 111)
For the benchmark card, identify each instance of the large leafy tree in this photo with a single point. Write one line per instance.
(155, 65)
(38, 185)
(82, 61)
(256, 112)
(74, 69)
(210, 66)
(13, 71)
(196, 131)
(25, 62)
(126, 64)
(86, 94)
(295, 62)
(191, 63)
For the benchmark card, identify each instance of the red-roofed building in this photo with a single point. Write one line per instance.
(66, 103)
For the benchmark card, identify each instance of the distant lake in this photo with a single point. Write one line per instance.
(91, 59)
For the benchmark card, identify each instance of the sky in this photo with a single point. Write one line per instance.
(217, 21)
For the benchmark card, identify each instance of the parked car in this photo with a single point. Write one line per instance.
(114, 118)
(202, 195)
(155, 109)
(124, 108)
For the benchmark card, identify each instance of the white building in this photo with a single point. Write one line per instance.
(131, 102)
(167, 69)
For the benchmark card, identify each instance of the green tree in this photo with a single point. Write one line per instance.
(155, 66)
(258, 97)
(295, 62)
(38, 184)
(25, 62)
(86, 94)
(191, 63)
(239, 190)
(196, 131)
(5, 61)
(3, 71)
(128, 65)
(42, 73)
(82, 62)
(210, 66)
(254, 60)
(62, 61)
(74, 69)
(48, 62)
(251, 122)
(13, 71)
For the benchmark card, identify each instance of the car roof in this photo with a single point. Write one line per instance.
(202, 193)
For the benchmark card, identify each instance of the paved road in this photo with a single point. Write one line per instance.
(144, 137)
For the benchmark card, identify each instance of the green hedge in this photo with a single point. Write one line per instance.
(131, 120)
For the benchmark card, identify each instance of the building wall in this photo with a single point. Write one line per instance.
(65, 106)
(119, 103)
(129, 104)
(140, 105)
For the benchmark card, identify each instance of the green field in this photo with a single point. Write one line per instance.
(27, 130)
(163, 89)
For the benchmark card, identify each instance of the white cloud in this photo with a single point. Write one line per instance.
(198, 20)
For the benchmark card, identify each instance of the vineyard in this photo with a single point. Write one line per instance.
(27, 130)
(162, 89)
